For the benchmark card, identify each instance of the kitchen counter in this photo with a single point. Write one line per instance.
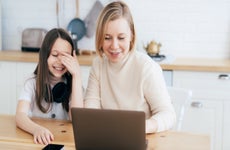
(16, 55)
(192, 64)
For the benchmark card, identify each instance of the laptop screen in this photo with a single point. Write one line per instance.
(103, 129)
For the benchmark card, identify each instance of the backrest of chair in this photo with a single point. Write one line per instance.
(180, 98)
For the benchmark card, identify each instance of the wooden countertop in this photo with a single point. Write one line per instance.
(12, 137)
(15, 55)
(199, 64)
(191, 64)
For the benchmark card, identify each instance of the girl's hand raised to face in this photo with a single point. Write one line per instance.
(71, 63)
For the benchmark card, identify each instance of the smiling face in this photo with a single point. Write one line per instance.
(116, 43)
(56, 68)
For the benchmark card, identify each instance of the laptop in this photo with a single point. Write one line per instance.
(105, 129)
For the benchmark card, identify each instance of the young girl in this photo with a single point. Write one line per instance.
(53, 89)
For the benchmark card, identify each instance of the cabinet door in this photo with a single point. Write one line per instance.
(24, 70)
(7, 87)
(226, 126)
(205, 113)
(206, 117)
(205, 85)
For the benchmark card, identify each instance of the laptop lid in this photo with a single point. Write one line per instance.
(103, 129)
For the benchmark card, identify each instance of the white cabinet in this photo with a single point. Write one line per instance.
(226, 126)
(206, 85)
(7, 80)
(205, 113)
(12, 77)
(203, 116)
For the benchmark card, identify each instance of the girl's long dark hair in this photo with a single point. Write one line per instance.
(43, 89)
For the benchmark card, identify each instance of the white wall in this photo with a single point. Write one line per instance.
(188, 28)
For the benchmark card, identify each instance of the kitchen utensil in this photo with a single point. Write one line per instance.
(77, 29)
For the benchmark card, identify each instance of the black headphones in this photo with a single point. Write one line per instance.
(61, 92)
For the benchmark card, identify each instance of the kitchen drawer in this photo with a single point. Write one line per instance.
(205, 85)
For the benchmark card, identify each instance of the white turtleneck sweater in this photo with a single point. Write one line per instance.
(135, 83)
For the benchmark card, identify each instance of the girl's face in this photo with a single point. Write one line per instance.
(56, 68)
(117, 40)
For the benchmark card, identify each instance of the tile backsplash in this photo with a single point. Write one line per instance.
(185, 28)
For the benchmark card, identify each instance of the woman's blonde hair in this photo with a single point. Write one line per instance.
(113, 11)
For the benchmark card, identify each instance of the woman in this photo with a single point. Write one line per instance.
(122, 78)
(53, 89)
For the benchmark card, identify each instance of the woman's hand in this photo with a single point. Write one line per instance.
(42, 135)
(71, 63)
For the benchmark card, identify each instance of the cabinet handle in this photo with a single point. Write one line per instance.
(224, 77)
(197, 104)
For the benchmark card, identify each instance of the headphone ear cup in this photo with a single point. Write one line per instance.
(60, 92)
